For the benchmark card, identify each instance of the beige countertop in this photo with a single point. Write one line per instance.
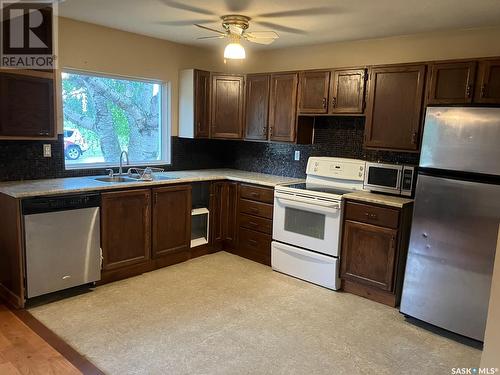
(387, 200)
(34, 188)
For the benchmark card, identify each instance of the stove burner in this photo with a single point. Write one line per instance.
(319, 188)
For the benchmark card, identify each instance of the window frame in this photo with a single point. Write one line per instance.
(165, 119)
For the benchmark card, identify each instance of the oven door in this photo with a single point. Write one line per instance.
(309, 223)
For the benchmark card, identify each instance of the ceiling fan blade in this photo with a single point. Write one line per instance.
(235, 30)
(301, 12)
(190, 8)
(210, 29)
(212, 37)
(182, 23)
(265, 41)
(237, 6)
(285, 29)
(262, 34)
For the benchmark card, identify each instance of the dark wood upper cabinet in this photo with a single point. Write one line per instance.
(202, 103)
(27, 105)
(227, 106)
(125, 228)
(313, 91)
(394, 107)
(451, 83)
(488, 82)
(369, 254)
(257, 106)
(283, 107)
(194, 103)
(347, 91)
(171, 219)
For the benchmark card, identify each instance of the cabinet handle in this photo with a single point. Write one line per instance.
(271, 131)
(483, 91)
(255, 195)
(393, 243)
(254, 210)
(253, 242)
(468, 91)
(253, 224)
(324, 102)
(370, 215)
(334, 102)
(414, 138)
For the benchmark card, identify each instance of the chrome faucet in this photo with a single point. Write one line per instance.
(120, 171)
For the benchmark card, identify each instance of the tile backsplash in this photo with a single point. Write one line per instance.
(334, 136)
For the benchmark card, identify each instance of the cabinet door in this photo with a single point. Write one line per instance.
(231, 213)
(451, 83)
(347, 93)
(227, 106)
(223, 214)
(202, 103)
(216, 213)
(313, 91)
(368, 255)
(171, 219)
(394, 108)
(257, 106)
(488, 88)
(126, 228)
(27, 106)
(283, 107)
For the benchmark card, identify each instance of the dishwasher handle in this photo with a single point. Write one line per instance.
(39, 205)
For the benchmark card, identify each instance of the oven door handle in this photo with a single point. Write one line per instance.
(306, 201)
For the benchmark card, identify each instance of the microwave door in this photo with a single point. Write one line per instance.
(385, 178)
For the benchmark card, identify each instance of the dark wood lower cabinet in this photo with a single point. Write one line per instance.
(224, 210)
(125, 228)
(374, 248)
(171, 220)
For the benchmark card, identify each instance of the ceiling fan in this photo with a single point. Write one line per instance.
(234, 25)
(235, 28)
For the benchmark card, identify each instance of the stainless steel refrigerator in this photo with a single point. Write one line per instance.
(455, 220)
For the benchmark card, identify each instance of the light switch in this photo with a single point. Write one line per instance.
(296, 156)
(47, 151)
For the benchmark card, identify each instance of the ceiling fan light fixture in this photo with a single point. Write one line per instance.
(234, 51)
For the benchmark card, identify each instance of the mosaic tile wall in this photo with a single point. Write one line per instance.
(334, 136)
(23, 160)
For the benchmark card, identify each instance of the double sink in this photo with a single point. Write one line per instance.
(122, 179)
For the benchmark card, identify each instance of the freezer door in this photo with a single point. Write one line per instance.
(462, 139)
(451, 255)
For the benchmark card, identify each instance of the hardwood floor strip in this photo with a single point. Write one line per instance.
(71, 355)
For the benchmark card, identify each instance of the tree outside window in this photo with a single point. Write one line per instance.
(105, 115)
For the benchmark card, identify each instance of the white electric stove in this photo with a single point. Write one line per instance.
(307, 220)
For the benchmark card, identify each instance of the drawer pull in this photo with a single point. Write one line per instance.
(371, 216)
(253, 242)
(254, 210)
(253, 224)
(254, 195)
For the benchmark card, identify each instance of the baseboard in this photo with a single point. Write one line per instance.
(10, 299)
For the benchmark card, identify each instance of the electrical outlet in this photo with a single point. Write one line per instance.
(296, 157)
(47, 151)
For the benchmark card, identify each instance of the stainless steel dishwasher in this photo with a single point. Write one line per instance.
(62, 242)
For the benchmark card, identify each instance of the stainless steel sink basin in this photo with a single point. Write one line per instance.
(115, 179)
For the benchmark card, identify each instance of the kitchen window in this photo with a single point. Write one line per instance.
(105, 115)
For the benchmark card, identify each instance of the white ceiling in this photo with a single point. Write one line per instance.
(298, 22)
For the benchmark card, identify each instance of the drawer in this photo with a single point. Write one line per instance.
(365, 213)
(257, 193)
(258, 224)
(254, 245)
(256, 208)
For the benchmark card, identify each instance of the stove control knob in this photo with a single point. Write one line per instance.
(315, 169)
(360, 174)
(361, 169)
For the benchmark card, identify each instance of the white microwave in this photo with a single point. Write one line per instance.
(390, 178)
